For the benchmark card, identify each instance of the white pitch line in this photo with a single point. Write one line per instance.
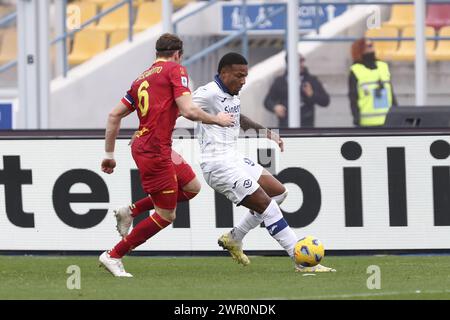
(361, 295)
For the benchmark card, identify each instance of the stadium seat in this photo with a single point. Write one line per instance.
(86, 9)
(103, 2)
(116, 20)
(442, 51)
(117, 37)
(99, 2)
(8, 46)
(149, 14)
(5, 10)
(139, 2)
(2, 11)
(180, 3)
(402, 15)
(86, 44)
(383, 49)
(407, 48)
(438, 15)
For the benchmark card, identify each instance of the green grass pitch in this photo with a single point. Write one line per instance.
(211, 278)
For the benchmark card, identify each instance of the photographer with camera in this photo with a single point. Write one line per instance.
(312, 93)
(370, 88)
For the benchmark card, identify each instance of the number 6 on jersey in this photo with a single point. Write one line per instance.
(143, 95)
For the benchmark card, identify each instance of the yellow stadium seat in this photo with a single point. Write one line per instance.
(383, 49)
(149, 14)
(103, 2)
(139, 2)
(402, 15)
(99, 2)
(180, 3)
(116, 20)
(407, 49)
(85, 10)
(117, 37)
(442, 51)
(5, 10)
(8, 46)
(86, 44)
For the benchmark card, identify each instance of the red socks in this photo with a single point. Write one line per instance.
(146, 203)
(141, 233)
(141, 206)
(146, 228)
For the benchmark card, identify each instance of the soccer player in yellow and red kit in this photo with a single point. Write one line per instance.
(158, 95)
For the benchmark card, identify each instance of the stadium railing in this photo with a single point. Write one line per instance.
(92, 20)
(243, 32)
(66, 34)
(4, 22)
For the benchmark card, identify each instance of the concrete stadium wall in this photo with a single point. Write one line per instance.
(91, 90)
(331, 61)
(319, 61)
(84, 98)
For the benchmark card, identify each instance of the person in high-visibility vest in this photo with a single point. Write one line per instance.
(370, 88)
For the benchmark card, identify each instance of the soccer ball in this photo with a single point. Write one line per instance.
(308, 251)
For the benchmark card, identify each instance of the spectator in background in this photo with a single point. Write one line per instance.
(370, 88)
(312, 93)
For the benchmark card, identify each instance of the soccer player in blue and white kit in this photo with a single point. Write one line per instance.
(241, 180)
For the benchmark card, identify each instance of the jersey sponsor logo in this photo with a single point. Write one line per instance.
(247, 183)
(249, 162)
(141, 132)
(184, 82)
(233, 109)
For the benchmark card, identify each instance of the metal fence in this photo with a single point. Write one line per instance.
(242, 34)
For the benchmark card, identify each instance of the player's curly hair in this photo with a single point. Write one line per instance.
(167, 45)
(358, 49)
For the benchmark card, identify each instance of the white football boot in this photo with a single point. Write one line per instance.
(115, 266)
(316, 268)
(124, 220)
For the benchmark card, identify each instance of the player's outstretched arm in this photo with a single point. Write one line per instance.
(246, 123)
(191, 111)
(111, 132)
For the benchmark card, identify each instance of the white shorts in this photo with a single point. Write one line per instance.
(235, 179)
